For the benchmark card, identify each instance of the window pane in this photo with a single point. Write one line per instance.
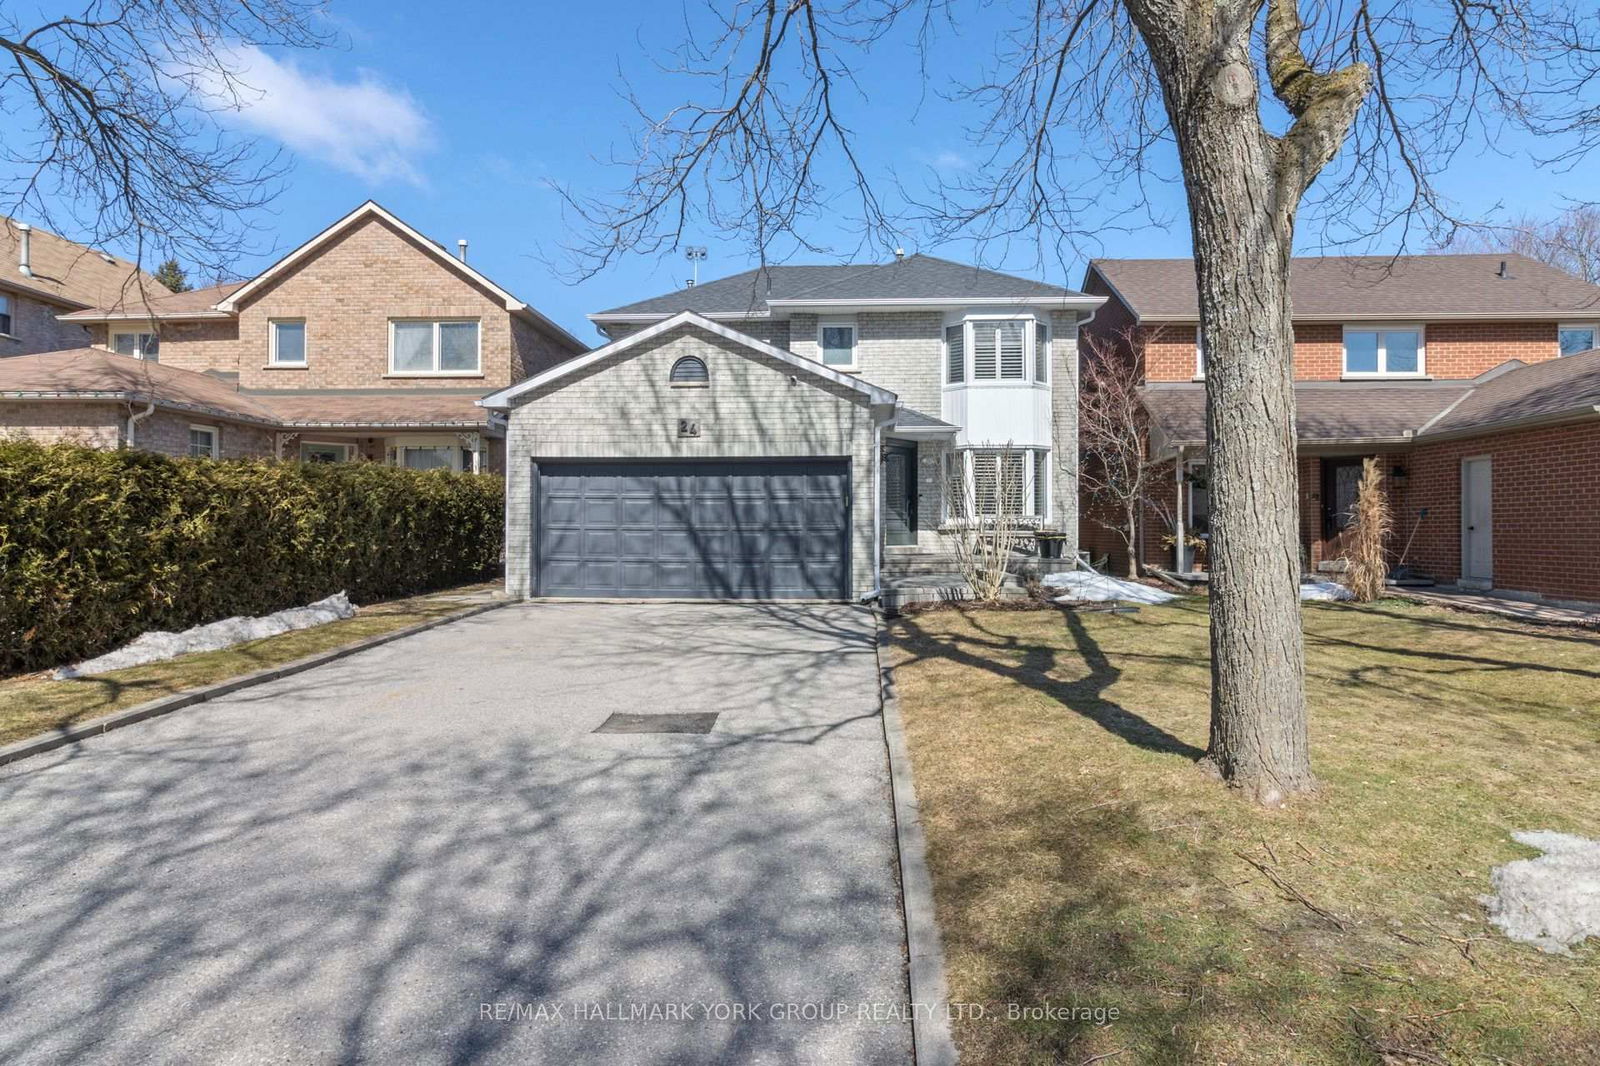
(458, 346)
(5, 314)
(200, 442)
(1360, 353)
(1402, 349)
(838, 345)
(1041, 483)
(413, 346)
(1012, 351)
(985, 479)
(149, 347)
(955, 356)
(1014, 482)
(1041, 353)
(985, 356)
(290, 343)
(1577, 340)
(125, 344)
(427, 458)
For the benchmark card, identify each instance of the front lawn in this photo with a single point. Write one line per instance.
(1080, 859)
(33, 703)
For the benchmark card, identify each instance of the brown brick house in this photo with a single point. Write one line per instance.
(43, 276)
(1462, 372)
(367, 341)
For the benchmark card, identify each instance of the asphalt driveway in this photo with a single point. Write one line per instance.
(424, 854)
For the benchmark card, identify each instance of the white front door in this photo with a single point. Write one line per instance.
(1477, 523)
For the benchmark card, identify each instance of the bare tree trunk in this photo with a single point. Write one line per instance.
(1244, 185)
(1130, 534)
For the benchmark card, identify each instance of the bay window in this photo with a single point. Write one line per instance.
(1383, 351)
(444, 347)
(997, 349)
(991, 482)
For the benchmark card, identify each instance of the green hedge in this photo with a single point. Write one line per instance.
(97, 547)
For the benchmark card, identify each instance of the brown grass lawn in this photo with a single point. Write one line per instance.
(33, 703)
(1080, 858)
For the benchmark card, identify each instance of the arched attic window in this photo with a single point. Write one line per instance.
(690, 372)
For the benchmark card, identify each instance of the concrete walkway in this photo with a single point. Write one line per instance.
(1536, 611)
(424, 854)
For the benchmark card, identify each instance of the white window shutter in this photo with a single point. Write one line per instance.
(955, 354)
(1041, 352)
(1013, 351)
(985, 360)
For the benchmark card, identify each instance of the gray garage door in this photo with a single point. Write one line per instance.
(774, 529)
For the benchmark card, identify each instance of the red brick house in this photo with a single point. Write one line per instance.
(1470, 376)
(367, 341)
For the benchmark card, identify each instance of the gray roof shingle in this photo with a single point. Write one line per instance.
(1409, 286)
(1549, 389)
(915, 277)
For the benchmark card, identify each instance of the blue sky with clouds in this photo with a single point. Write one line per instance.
(456, 116)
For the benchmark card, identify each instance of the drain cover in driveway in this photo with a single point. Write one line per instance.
(658, 723)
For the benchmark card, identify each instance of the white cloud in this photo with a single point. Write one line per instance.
(363, 126)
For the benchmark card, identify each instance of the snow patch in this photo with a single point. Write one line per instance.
(1080, 585)
(1553, 901)
(156, 646)
(1325, 590)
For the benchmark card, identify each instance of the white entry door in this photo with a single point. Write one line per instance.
(1477, 523)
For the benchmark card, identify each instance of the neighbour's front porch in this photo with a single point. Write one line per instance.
(460, 451)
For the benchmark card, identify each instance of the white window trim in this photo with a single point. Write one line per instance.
(1562, 327)
(1030, 363)
(435, 322)
(273, 362)
(216, 440)
(348, 448)
(139, 348)
(1200, 355)
(1380, 328)
(855, 344)
(1030, 477)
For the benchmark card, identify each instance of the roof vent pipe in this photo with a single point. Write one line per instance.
(461, 249)
(25, 250)
(899, 253)
(1505, 270)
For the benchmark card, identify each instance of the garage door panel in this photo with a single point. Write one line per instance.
(722, 529)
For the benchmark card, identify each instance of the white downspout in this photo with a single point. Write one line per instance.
(135, 419)
(1179, 547)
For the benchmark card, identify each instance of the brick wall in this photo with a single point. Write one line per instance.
(97, 425)
(1546, 496)
(167, 432)
(34, 328)
(623, 408)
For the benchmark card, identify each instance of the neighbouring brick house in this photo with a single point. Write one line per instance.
(368, 341)
(43, 276)
(1469, 376)
(793, 432)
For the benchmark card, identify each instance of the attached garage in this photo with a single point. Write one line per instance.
(717, 529)
(691, 461)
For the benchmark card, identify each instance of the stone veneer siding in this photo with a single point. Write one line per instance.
(623, 408)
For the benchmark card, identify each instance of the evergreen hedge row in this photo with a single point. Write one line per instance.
(97, 547)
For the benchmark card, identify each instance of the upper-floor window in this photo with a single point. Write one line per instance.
(288, 342)
(138, 345)
(1008, 349)
(1383, 351)
(1573, 338)
(837, 343)
(5, 314)
(445, 346)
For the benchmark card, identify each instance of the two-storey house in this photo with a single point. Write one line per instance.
(1464, 374)
(369, 341)
(778, 432)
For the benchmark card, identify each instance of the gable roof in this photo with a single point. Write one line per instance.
(64, 271)
(1550, 390)
(1352, 288)
(503, 398)
(917, 279)
(372, 209)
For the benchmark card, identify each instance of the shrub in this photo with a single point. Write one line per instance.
(97, 547)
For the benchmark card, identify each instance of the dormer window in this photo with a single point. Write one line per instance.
(689, 373)
(998, 350)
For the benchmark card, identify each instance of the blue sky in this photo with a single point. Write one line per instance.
(455, 117)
